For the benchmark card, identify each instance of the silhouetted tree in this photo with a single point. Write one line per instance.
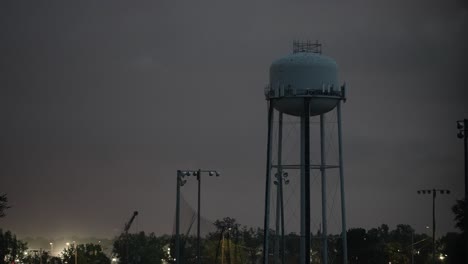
(459, 210)
(142, 248)
(3, 205)
(55, 260)
(451, 246)
(357, 245)
(11, 248)
(253, 242)
(380, 245)
(87, 254)
(453, 243)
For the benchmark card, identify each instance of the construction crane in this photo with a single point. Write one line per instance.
(129, 223)
(126, 228)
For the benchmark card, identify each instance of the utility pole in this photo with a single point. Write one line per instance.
(198, 218)
(434, 195)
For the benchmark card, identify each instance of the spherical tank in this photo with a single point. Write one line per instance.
(305, 74)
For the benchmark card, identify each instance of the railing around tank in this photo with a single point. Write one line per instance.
(290, 92)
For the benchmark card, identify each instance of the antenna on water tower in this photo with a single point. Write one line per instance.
(304, 84)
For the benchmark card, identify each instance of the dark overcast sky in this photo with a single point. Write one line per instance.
(102, 101)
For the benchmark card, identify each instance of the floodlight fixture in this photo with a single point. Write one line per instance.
(462, 127)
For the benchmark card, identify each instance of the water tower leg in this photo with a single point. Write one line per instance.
(324, 190)
(279, 186)
(302, 246)
(266, 224)
(304, 249)
(307, 178)
(280, 151)
(343, 207)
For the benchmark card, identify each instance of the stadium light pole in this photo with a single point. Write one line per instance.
(434, 195)
(462, 126)
(180, 182)
(281, 180)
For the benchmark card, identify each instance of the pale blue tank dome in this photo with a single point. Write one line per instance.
(305, 73)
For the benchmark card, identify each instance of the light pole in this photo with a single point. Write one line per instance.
(434, 195)
(180, 182)
(51, 248)
(462, 126)
(281, 177)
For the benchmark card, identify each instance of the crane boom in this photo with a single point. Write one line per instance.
(129, 223)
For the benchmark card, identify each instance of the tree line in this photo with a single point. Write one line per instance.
(232, 243)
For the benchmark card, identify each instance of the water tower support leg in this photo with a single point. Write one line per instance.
(302, 243)
(343, 205)
(279, 187)
(324, 190)
(280, 151)
(266, 224)
(307, 177)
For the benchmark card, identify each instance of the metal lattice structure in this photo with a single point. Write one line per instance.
(307, 46)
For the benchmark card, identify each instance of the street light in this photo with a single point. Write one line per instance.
(462, 126)
(434, 195)
(51, 248)
(180, 182)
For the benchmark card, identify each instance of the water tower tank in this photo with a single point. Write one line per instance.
(305, 73)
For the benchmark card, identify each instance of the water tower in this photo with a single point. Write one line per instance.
(303, 84)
